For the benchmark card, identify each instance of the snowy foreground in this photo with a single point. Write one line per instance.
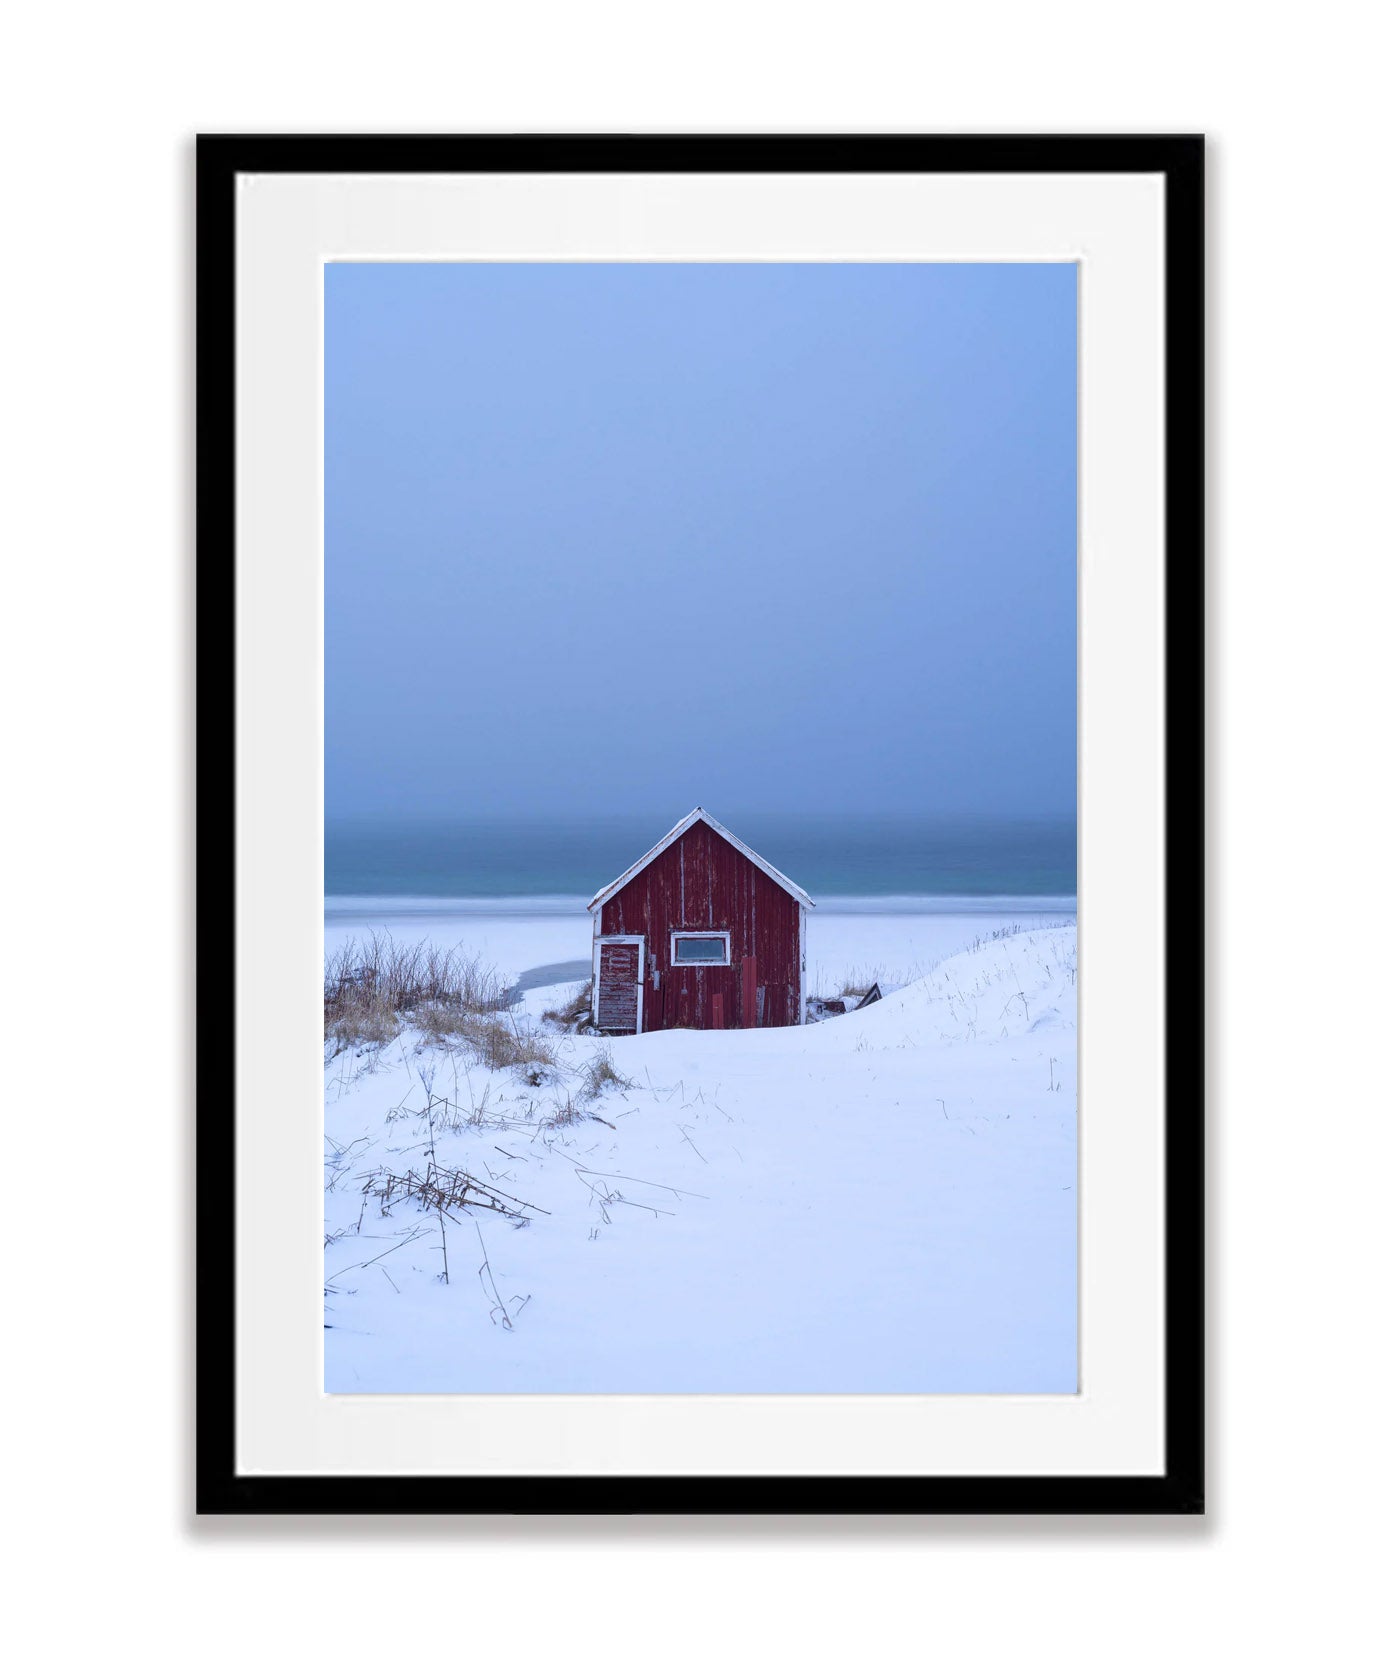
(884, 1202)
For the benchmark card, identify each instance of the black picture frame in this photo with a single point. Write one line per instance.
(1179, 160)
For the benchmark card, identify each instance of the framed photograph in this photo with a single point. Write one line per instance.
(700, 745)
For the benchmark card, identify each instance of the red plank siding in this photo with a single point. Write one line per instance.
(703, 884)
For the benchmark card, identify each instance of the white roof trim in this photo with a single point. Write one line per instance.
(699, 814)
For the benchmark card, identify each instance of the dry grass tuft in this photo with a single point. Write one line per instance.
(600, 1075)
(566, 1112)
(498, 1039)
(364, 1019)
(503, 1042)
(997, 934)
(440, 1190)
(370, 988)
(576, 1014)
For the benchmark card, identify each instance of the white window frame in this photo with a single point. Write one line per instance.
(699, 933)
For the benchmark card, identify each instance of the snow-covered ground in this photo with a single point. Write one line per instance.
(883, 1202)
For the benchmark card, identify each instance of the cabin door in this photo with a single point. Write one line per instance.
(620, 974)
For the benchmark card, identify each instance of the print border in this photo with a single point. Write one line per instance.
(1179, 160)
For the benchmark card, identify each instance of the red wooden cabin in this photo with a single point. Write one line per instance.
(699, 932)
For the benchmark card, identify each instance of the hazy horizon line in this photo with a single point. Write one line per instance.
(553, 814)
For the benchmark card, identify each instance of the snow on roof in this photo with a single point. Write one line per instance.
(699, 814)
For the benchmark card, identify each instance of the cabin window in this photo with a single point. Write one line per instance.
(700, 950)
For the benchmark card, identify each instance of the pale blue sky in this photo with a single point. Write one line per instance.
(617, 538)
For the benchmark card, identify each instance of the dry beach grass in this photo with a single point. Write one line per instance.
(375, 987)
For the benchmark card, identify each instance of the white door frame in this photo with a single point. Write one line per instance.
(601, 939)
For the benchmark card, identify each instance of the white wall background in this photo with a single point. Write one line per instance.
(98, 105)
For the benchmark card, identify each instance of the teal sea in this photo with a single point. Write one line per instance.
(865, 857)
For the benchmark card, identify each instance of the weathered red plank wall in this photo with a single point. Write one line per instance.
(698, 884)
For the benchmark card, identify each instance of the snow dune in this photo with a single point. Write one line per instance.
(881, 1203)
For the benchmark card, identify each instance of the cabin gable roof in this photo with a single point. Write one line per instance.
(699, 814)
